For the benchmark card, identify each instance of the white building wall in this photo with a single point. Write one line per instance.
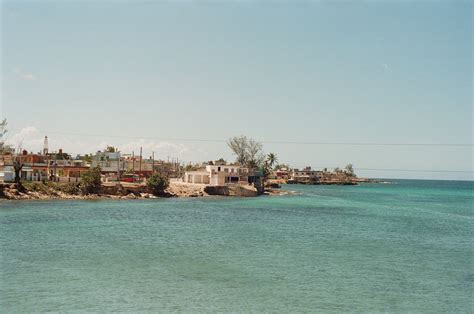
(197, 177)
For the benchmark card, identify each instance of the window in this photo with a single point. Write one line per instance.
(218, 168)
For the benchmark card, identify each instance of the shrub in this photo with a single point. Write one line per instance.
(157, 183)
(36, 187)
(70, 188)
(90, 181)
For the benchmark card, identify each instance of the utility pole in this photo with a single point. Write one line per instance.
(133, 166)
(55, 167)
(140, 163)
(118, 167)
(153, 162)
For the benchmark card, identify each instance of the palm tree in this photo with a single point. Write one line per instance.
(271, 159)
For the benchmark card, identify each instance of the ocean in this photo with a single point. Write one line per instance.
(404, 246)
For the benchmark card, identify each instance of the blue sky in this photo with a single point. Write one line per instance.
(148, 72)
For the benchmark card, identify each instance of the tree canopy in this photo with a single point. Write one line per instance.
(110, 149)
(350, 170)
(272, 159)
(90, 180)
(247, 151)
(3, 130)
(158, 183)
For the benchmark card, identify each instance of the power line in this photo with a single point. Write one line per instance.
(181, 139)
(292, 142)
(366, 169)
(416, 170)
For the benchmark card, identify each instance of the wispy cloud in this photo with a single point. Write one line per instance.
(161, 149)
(28, 76)
(24, 75)
(25, 138)
(386, 67)
(31, 139)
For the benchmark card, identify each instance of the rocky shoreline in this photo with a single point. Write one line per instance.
(68, 191)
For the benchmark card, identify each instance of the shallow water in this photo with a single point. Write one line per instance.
(376, 247)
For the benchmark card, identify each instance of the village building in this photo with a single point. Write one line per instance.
(110, 163)
(220, 175)
(59, 167)
(281, 174)
(306, 175)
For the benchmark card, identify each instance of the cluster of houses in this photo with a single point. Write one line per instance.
(62, 167)
(311, 176)
(305, 175)
(115, 166)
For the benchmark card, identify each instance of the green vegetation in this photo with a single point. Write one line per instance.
(90, 181)
(69, 188)
(282, 166)
(349, 170)
(157, 183)
(247, 151)
(110, 149)
(51, 188)
(87, 158)
(17, 166)
(272, 159)
(191, 167)
(3, 130)
(268, 165)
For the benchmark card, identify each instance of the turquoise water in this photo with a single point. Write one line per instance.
(377, 247)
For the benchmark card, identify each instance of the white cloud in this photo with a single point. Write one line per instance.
(28, 76)
(31, 139)
(25, 138)
(386, 67)
(24, 75)
(162, 149)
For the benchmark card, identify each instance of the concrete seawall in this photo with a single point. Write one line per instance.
(232, 190)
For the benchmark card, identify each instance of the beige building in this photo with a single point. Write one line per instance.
(218, 175)
(306, 175)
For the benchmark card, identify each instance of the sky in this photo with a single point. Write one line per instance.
(162, 75)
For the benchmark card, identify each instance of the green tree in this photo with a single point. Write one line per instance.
(247, 151)
(3, 130)
(110, 149)
(350, 170)
(90, 181)
(282, 166)
(87, 158)
(17, 166)
(221, 161)
(272, 159)
(157, 183)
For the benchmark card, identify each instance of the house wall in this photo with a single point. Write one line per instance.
(7, 175)
(225, 169)
(217, 179)
(197, 177)
(217, 175)
(108, 162)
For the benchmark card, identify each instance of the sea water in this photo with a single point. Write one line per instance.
(404, 246)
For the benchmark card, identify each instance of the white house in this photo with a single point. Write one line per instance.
(218, 175)
(7, 174)
(197, 177)
(108, 162)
